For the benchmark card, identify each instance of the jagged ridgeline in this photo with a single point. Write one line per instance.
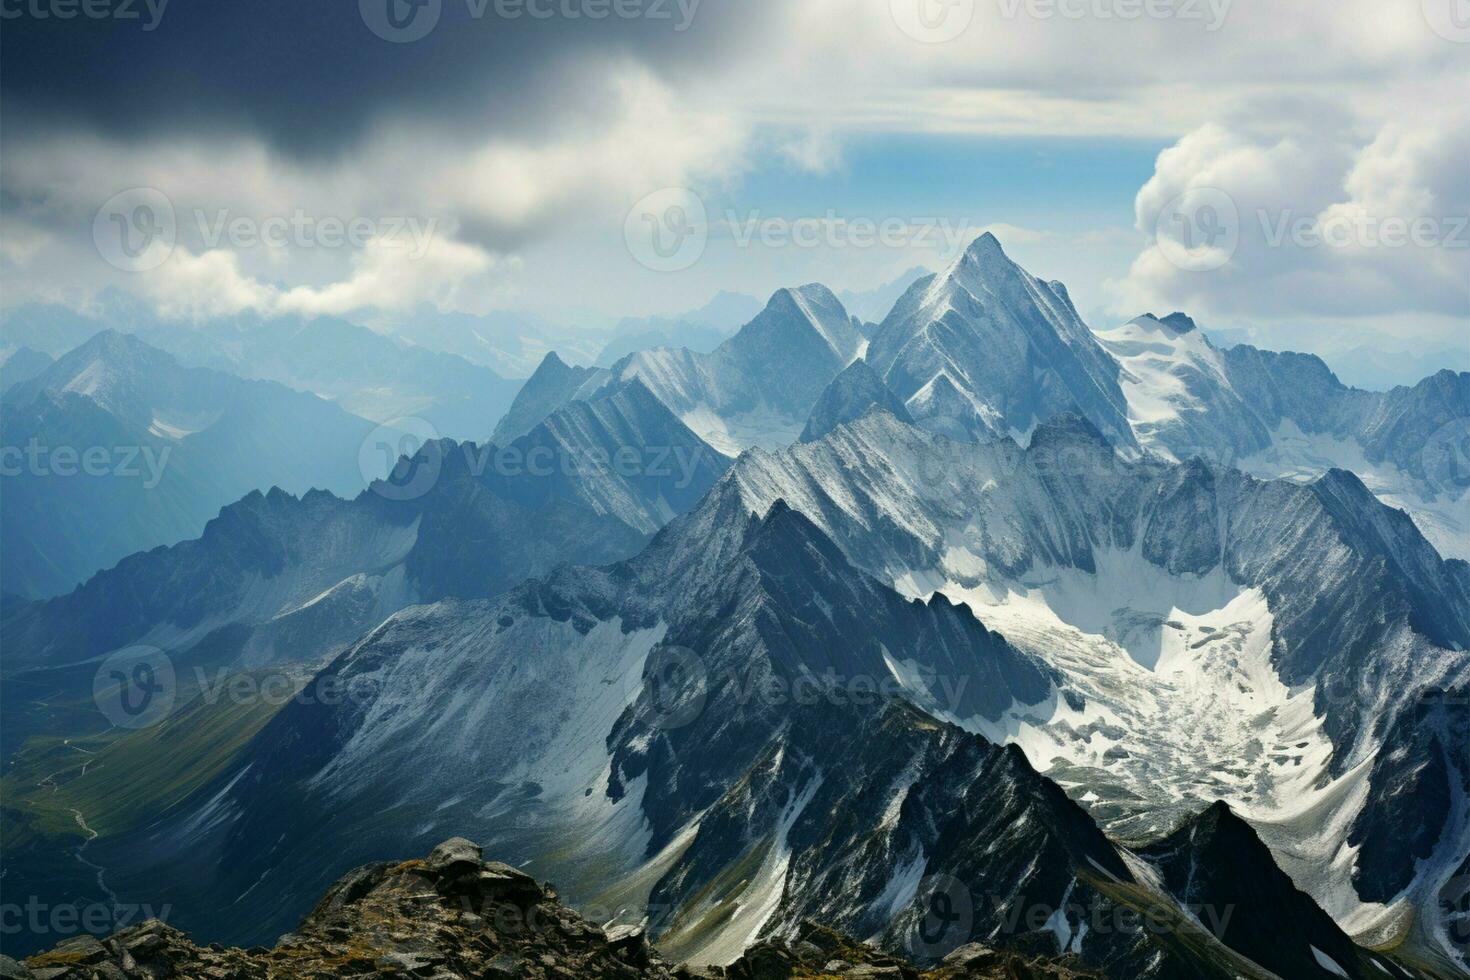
(998, 631)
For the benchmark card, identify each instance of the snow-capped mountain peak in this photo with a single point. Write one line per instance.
(1012, 344)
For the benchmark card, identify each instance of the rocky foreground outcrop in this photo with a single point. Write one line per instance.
(454, 916)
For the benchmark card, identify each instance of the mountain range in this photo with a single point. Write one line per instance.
(374, 375)
(723, 773)
(756, 388)
(969, 624)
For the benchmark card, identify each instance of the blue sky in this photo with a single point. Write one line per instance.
(1063, 184)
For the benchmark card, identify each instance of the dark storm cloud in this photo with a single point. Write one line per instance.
(310, 75)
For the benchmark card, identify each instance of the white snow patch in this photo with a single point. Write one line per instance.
(760, 898)
(1328, 963)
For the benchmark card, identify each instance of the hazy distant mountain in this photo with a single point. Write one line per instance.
(49, 328)
(371, 375)
(22, 364)
(510, 343)
(1379, 370)
(1374, 366)
(591, 482)
(700, 330)
(872, 305)
(120, 449)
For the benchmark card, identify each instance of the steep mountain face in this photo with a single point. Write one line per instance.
(757, 388)
(1272, 644)
(532, 691)
(1286, 415)
(117, 448)
(986, 348)
(554, 384)
(1214, 858)
(851, 395)
(1411, 446)
(725, 771)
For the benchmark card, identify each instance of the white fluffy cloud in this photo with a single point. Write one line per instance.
(261, 231)
(1327, 220)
